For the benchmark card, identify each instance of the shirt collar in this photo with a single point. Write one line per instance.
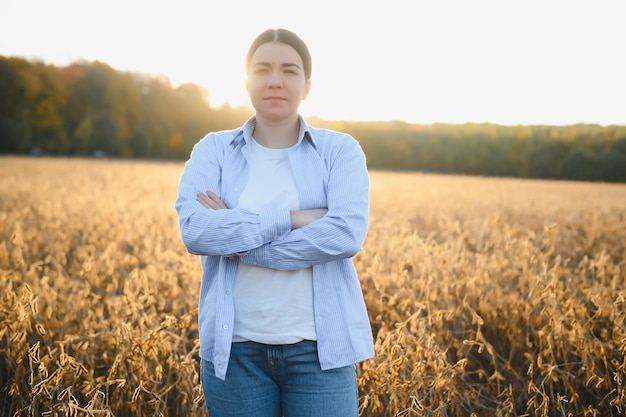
(244, 133)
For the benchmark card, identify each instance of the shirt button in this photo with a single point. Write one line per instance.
(227, 292)
(225, 327)
(254, 262)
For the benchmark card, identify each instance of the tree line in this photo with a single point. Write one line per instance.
(89, 108)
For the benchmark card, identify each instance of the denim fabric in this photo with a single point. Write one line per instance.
(279, 380)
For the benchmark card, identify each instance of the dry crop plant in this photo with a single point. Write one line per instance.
(495, 297)
(492, 297)
(98, 305)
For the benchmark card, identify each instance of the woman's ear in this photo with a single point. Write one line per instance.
(306, 89)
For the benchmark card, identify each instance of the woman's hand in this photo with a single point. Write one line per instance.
(211, 201)
(299, 218)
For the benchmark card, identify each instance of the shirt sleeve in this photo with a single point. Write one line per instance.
(220, 232)
(340, 233)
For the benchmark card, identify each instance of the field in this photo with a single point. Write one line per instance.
(487, 296)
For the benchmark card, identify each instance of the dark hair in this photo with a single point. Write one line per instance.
(283, 36)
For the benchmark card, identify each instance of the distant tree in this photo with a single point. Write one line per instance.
(175, 144)
(8, 138)
(104, 136)
(52, 141)
(227, 117)
(619, 146)
(94, 86)
(47, 99)
(579, 164)
(157, 103)
(12, 98)
(545, 158)
(82, 137)
(140, 143)
(14, 108)
(79, 106)
(611, 166)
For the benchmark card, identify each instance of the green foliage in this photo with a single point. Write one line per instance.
(578, 152)
(8, 139)
(89, 108)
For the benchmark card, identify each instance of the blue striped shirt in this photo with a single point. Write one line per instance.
(330, 172)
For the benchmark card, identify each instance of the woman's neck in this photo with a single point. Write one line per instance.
(283, 134)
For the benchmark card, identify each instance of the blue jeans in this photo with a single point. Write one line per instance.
(279, 380)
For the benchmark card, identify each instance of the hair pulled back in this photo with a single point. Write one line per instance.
(283, 36)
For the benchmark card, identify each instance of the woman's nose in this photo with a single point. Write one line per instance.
(274, 80)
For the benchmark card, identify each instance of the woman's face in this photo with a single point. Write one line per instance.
(276, 82)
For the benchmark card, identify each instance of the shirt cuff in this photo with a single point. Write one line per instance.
(256, 256)
(275, 224)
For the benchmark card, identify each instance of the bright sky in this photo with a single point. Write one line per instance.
(510, 62)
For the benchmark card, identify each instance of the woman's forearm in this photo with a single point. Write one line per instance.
(300, 218)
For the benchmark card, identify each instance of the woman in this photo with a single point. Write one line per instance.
(276, 209)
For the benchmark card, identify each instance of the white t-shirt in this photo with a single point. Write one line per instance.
(272, 306)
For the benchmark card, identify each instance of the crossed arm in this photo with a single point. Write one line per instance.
(299, 218)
